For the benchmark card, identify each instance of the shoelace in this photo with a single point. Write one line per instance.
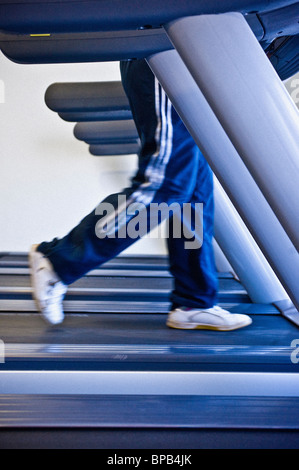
(218, 309)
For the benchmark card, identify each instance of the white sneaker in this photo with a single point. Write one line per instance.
(48, 290)
(214, 318)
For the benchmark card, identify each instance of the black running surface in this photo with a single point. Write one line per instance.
(116, 318)
(122, 285)
(124, 380)
(143, 342)
(191, 412)
(130, 423)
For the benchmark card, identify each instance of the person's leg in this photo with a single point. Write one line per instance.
(58, 263)
(189, 178)
(192, 262)
(168, 171)
(85, 248)
(82, 250)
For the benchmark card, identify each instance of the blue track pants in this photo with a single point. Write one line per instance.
(171, 170)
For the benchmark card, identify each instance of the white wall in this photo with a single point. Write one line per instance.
(49, 181)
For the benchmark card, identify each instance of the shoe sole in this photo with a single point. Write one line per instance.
(196, 326)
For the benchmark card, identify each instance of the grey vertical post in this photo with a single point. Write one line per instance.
(242, 252)
(230, 170)
(222, 263)
(250, 101)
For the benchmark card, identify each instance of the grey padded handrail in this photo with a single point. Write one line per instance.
(89, 101)
(114, 149)
(90, 96)
(107, 132)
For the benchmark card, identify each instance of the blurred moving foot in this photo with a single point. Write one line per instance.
(48, 290)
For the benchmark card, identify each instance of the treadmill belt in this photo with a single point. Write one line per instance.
(122, 379)
(124, 285)
(143, 342)
(135, 270)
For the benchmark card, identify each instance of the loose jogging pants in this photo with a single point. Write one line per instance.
(172, 174)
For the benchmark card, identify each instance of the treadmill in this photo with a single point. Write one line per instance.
(113, 376)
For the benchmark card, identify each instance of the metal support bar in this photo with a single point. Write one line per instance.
(243, 253)
(222, 263)
(250, 101)
(230, 170)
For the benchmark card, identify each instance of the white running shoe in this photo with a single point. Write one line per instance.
(214, 318)
(48, 290)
